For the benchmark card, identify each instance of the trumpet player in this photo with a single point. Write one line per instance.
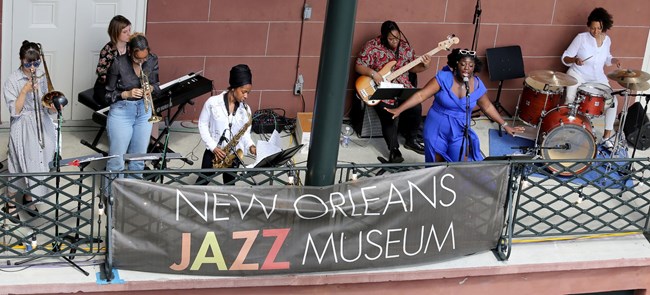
(225, 118)
(128, 126)
(29, 121)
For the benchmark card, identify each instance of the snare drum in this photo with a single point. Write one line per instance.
(564, 136)
(593, 98)
(533, 102)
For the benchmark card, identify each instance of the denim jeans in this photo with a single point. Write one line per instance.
(128, 132)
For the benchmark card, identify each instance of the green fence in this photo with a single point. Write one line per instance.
(545, 199)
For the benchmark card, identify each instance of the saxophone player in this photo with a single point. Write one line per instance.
(224, 124)
(128, 125)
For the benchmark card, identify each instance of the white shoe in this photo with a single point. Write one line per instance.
(607, 143)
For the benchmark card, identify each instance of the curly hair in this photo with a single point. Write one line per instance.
(601, 15)
(455, 56)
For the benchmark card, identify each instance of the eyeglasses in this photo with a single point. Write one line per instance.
(467, 52)
(30, 64)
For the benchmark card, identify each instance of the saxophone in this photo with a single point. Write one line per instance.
(230, 157)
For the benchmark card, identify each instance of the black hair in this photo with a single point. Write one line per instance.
(601, 15)
(138, 42)
(455, 56)
(29, 51)
(387, 27)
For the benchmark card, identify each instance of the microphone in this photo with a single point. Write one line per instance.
(567, 146)
(59, 101)
(466, 81)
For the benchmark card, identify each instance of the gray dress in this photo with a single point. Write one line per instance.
(25, 154)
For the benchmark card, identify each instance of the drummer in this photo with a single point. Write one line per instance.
(586, 57)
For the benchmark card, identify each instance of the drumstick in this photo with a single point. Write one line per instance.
(586, 59)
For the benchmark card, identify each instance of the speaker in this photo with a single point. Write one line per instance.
(637, 126)
(364, 119)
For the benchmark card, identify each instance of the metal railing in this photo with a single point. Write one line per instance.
(545, 199)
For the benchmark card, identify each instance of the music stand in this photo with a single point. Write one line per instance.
(280, 158)
(504, 63)
(390, 93)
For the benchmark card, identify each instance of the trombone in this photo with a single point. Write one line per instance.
(37, 109)
(51, 97)
(148, 100)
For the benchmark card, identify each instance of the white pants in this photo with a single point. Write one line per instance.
(571, 92)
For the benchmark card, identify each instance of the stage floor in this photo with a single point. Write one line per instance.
(184, 139)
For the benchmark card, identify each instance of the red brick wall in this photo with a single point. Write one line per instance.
(213, 35)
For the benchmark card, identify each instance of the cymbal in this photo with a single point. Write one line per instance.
(641, 86)
(553, 78)
(627, 76)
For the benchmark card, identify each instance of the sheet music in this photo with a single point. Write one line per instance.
(385, 84)
(151, 156)
(267, 148)
(181, 79)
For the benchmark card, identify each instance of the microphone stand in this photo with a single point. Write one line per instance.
(464, 148)
(163, 158)
(645, 111)
(56, 245)
(476, 21)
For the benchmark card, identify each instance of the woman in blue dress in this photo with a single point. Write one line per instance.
(446, 119)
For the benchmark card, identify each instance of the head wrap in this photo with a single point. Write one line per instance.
(240, 75)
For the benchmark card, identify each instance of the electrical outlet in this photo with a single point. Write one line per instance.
(306, 14)
(297, 89)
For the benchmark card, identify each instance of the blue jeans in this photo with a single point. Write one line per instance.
(128, 132)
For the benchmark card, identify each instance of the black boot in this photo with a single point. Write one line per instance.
(395, 156)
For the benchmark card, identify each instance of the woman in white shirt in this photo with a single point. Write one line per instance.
(586, 58)
(223, 116)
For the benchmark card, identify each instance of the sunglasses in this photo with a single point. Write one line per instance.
(467, 52)
(30, 64)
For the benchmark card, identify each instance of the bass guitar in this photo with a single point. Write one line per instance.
(366, 86)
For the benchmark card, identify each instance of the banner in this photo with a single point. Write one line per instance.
(399, 219)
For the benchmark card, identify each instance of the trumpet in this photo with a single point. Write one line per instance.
(148, 100)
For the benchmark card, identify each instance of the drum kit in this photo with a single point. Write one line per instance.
(565, 131)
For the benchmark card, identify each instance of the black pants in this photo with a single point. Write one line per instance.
(407, 124)
(99, 94)
(208, 157)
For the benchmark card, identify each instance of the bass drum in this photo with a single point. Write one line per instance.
(566, 136)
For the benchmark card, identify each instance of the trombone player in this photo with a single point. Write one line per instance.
(131, 83)
(32, 135)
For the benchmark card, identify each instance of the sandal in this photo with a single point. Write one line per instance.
(12, 213)
(30, 206)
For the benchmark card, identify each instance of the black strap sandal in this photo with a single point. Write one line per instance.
(30, 206)
(11, 213)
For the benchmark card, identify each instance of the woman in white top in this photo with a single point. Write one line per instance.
(222, 117)
(586, 58)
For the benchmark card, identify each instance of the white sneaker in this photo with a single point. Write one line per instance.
(607, 143)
